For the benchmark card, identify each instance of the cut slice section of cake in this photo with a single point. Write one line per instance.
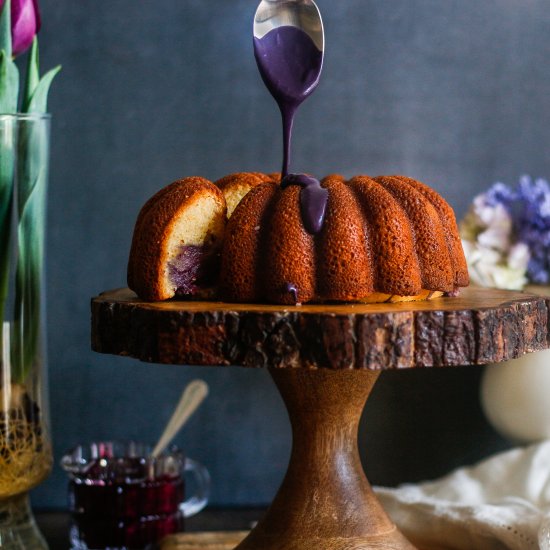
(177, 240)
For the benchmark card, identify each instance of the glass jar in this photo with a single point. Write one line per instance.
(120, 497)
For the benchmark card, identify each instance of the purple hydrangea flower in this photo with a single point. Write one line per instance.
(528, 208)
(531, 221)
(500, 193)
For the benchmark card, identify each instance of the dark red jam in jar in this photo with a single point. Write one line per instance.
(126, 514)
(125, 502)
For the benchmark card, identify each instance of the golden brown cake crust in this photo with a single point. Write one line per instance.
(251, 179)
(243, 259)
(450, 227)
(396, 268)
(236, 186)
(289, 252)
(342, 273)
(429, 240)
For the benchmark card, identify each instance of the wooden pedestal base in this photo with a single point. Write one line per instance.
(325, 501)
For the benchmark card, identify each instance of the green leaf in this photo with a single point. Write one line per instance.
(32, 173)
(5, 28)
(33, 157)
(6, 211)
(28, 279)
(39, 99)
(6, 205)
(33, 75)
(7, 167)
(9, 83)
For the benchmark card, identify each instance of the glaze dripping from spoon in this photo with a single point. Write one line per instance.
(289, 47)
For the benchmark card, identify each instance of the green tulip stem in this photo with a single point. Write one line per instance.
(5, 28)
(24, 154)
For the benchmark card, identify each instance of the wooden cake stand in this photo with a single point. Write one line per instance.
(325, 360)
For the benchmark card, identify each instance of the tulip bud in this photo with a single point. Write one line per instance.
(25, 23)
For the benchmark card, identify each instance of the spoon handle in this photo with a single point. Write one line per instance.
(191, 398)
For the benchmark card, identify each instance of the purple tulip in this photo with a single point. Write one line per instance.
(25, 23)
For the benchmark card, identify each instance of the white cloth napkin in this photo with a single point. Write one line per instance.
(497, 504)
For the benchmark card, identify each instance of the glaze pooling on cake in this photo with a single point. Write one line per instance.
(380, 239)
(313, 200)
(291, 289)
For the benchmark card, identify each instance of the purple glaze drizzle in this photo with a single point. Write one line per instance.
(313, 200)
(291, 288)
(290, 64)
(453, 293)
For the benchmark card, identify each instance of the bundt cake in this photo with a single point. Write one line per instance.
(249, 238)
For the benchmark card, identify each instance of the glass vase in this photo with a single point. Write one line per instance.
(25, 446)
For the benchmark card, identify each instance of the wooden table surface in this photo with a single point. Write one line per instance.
(55, 524)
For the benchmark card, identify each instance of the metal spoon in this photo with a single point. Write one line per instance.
(191, 397)
(289, 67)
(303, 14)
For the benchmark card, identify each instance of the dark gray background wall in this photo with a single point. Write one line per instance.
(454, 92)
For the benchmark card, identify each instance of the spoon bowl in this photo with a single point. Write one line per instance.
(303, 14)
(289, 44)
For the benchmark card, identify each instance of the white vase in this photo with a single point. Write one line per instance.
(515, 395)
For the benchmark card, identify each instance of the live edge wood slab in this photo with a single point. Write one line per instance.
(325, 360)
(481, 326)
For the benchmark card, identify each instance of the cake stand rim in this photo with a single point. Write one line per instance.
(480, 327)
(123, 295)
